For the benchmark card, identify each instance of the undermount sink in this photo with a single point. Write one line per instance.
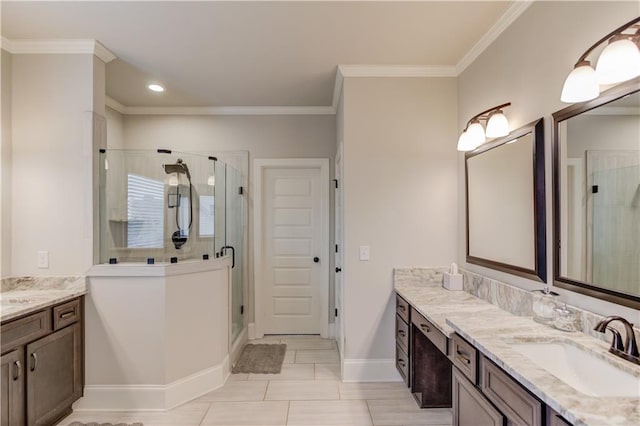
(581, 369)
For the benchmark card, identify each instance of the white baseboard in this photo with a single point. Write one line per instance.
(370, 370)
(252, 330)
(236, 347)
(153, 397)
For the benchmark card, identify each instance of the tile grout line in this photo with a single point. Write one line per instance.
(369, 409)
(286, 420)
(205, 413)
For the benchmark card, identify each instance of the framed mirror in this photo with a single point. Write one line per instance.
(505, 190)
(597, 196)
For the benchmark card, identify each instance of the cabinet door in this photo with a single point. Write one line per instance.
(470, 407)
(12, 388)
(54, 376)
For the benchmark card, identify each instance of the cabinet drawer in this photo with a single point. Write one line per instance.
(402, 364)
(429, 330)
(402, 333)
(470, 408)
(66, 314)
(402, 308)
(465, 357)
(25, 330)
(555, 419)
(512, 399)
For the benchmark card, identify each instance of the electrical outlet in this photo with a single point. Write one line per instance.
(364, 252)
(43, 259)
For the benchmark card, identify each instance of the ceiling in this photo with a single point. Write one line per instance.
(254, 53)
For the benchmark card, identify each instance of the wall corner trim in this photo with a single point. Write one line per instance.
(58, 46)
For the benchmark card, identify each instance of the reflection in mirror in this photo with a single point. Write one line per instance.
(505, 204)
(598, 184)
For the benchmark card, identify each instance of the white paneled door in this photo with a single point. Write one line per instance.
(294, 261)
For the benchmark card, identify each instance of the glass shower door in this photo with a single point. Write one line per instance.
(234, 238)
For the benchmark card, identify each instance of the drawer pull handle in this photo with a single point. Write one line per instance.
(401, 363)
(425, 327)
(67, 314)
(34, 363)
(402, 333)
(463, 359)
(16, 373)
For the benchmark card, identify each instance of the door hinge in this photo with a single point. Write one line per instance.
(336, 312)
(240, 190)
(241, 309)
(335, 181)
(594, 189)
(336, 248)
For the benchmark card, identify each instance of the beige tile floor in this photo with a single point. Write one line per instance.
(308, 391)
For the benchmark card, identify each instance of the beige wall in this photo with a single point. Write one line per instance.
(52, 158)
(527, 66)
(115, 129)
(5, 167)
(399, 199)
(277, 136)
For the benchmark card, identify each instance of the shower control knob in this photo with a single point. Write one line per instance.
(316, 259)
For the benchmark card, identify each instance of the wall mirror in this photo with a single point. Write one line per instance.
(597, 196)
(505, 191)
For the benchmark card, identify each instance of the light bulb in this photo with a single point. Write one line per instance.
(211, 181)
(618, 62)
(155, 88)
(464, 143)
(173, 179)
(475, 133)
(498, 125)
(581, 84)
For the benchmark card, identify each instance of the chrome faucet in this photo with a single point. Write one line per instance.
(629, 350)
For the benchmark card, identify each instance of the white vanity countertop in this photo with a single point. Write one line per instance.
(493, 331)
(21, 296)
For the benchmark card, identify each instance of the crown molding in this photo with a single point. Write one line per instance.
(61, 46)
(115, 105)
(207, 110)
(512, 13)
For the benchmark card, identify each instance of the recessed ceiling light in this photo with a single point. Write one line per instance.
(155, 88)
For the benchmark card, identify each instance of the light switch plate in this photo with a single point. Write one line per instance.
(364, 252)
(43, 259)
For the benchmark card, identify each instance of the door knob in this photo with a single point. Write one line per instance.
(338, 270)
(316, 259)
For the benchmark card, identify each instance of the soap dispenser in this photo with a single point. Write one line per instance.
(544, 302)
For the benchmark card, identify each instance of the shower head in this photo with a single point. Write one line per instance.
(178, 167)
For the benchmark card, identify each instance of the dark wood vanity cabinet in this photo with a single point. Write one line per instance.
(470, 407)
(42, 365)
(402, 339)
(484, 394)
(430, 367)
(421, 357)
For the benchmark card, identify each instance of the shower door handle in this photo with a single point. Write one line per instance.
(233, 255)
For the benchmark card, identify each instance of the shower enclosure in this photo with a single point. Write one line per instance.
(166, 206)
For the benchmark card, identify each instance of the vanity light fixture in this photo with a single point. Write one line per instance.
(618, 62)
(155, 88)
(474, 133)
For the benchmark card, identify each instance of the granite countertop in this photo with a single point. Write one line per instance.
(21, 296)
(494, 331)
